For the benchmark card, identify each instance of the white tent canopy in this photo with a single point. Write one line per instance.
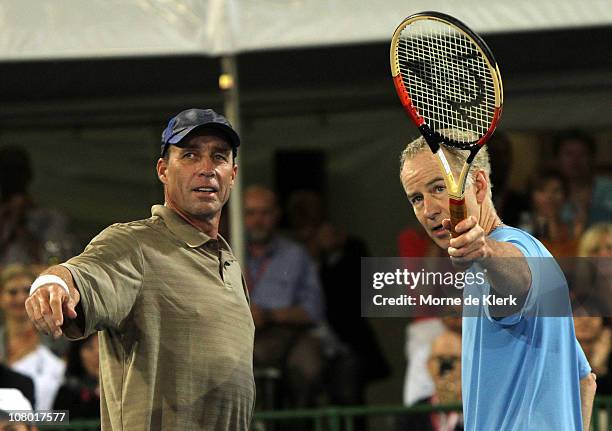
(43, 29)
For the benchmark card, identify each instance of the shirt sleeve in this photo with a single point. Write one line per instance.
(584, 368)
(108, 276)
(534, 260)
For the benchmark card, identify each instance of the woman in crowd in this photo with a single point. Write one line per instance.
(20, 345)
(596, 241)
(548, 196)
(592, 331)
(592, 281)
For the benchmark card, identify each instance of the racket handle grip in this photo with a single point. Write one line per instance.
(458, 212)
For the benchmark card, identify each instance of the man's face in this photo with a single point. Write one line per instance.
(444, 366)
(260, 215)
(424, 185)
(198, 176)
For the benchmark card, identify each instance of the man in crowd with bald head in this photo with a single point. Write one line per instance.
(285, 299)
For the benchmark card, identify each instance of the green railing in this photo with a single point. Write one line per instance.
(342, 418)
(75, 425)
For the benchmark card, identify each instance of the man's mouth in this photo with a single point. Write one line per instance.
(206, 189)
(439, 231)
(206, 192)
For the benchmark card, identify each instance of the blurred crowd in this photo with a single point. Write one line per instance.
(50, 374)
(303, 275)
(304, 283)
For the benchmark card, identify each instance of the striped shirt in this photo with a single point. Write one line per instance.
(176, 345)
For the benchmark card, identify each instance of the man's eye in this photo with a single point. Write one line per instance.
(416, 199)
(439, 188)
(188, 155)
(221, 157)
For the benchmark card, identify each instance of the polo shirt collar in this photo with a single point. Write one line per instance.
(179, 227)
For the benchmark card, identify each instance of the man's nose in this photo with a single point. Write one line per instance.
(431, 207)
(206, 167)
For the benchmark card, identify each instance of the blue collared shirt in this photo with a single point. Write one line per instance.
(285, 276)
(522, 372)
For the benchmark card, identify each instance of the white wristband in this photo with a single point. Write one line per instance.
(48, 279)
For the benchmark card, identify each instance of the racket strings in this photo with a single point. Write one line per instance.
(447, 79)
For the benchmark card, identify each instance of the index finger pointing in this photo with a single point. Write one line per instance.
(465, 225)
(55, 301)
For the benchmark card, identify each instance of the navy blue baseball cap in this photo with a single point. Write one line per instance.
(187, 121)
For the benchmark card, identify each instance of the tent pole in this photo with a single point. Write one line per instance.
(228, 82)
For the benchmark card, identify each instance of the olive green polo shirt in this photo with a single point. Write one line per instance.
(176, 347)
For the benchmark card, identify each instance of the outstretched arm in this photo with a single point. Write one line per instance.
(50, 304)
(506, 276)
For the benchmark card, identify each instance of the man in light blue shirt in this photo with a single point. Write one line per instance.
(520, 371)
(529, 363)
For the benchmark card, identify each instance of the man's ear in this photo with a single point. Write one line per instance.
(482, 186)
(162, 166)
(234, 173)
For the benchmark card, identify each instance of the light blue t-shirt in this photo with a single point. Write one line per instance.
(522, 372)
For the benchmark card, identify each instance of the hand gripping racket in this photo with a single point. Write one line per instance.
(450, 86)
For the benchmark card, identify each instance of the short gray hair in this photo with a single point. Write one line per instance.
(456, 159)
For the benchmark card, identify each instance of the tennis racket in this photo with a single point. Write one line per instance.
(450, 86)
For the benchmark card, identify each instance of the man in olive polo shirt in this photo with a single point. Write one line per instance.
(176, 345)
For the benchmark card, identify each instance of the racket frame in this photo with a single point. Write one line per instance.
(434, 139)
